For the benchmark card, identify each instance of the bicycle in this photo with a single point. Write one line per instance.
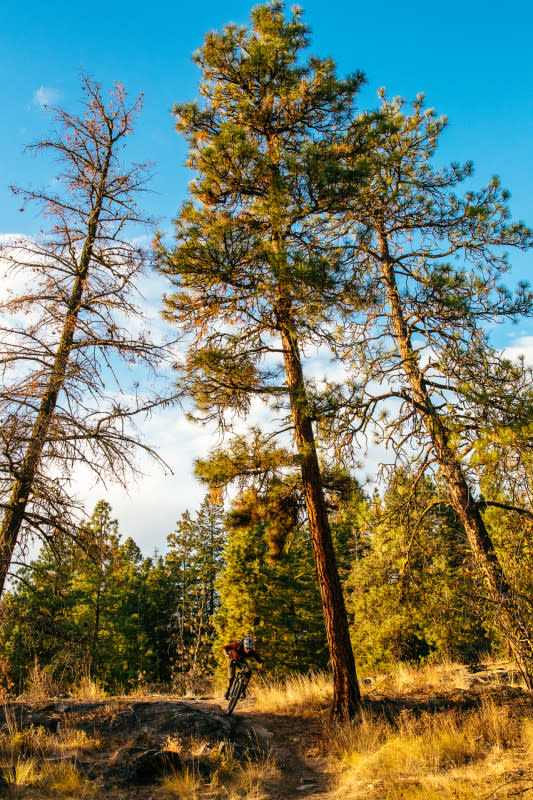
(244, 671)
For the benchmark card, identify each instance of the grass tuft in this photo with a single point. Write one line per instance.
(181, 785)
(63, 780)
(295, 694)
(18, 775)
(88, 688)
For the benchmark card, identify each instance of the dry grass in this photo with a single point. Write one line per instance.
(40, 742)
(449, 755)
(35, 763)
(63, 780)
(18, 774)
(186, 785)
(428, 679)
(527, 736)
(41, 684)
(459, 753)
(231, 778)
(27, 778)
(299, 694)
(405, 680)
(402, 747)
(88, 688)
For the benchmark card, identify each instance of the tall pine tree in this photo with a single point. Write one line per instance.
(434, 263)
(257, 277)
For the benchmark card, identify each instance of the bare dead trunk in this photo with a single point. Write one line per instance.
(23, 483)
(346, 694)
(511, 620)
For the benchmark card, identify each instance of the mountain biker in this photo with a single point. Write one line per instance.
(238, 653)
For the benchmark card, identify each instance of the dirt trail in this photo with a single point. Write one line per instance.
(125, 745)
(129, 756)
(295, 744)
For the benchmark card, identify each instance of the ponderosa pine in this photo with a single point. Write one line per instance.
(433, 264)
(257, 278)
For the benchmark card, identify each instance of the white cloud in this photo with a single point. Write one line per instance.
(522, 347)
(148, 510)
(46, 96)
(13, 239)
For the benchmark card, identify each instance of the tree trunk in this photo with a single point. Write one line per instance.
(346, 694)
(23, 483)
(511, 620)
(93, 655)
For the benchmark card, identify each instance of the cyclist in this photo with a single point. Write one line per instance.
(238, 653)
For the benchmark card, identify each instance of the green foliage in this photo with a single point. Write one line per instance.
(276, 601)
(254, 253)
(268, 584)
(509, 520)
(301, 218)
(411, 589)
(257, 272)
(193, 561)
(92, 606)
(434, 261)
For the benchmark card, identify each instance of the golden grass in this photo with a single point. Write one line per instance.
(527, 736)
(417, 753)
(26, 777)
(36, 763)
(254, 775)
(186, 785)
(296, 694)
(404, 679)
(231, 779)
(18, 774)
(88, 688)
(459, 755)
(41, 684)
(40, 742)
(63, 780)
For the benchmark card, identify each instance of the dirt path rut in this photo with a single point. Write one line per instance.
(295, 744)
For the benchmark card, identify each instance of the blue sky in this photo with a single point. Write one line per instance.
(472, 60)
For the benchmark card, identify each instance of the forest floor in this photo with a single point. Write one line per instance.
(463, 733)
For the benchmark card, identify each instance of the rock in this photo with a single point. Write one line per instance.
(147, 766)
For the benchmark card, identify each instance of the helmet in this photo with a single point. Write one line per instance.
(248, 642)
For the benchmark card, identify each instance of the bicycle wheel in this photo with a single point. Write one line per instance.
(235, 693)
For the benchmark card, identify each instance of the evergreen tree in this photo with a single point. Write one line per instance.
(156, 619)
(36, 620)
(89, 582)
(91, 606)
(267, 584)
(275, 600)
(257, 277)
(433, 263)
(508, 514)
(193, 561)
(412, 584)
